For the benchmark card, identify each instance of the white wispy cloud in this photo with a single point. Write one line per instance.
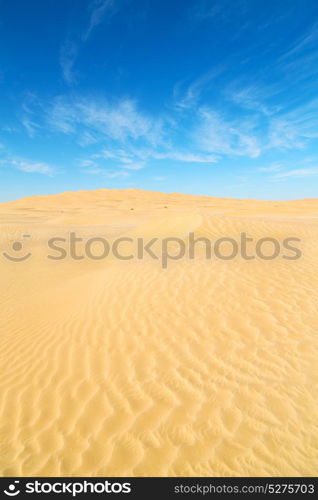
(134, 166)
(85, 162)
(203, 10)
(93, 170)
(223, 137)
(111, 162)
(305, 41)
(87, 138)
(294, 129)
(140, 157)
(28, 166)
(8, 129)
(62, 116)
(68, 55)
(116, 174)
(30, 125)
(186, 157)
(12, 161)
(91, 167)
(297, 173)
(30, 113)
(119, 120)
(99, 10)
(186, 98)
(253, 97)
(284, 135)
(130, 138)
(274, 167)
(33, 167)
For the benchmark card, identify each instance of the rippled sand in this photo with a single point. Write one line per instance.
(121, 368)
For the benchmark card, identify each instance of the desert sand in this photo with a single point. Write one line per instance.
(122, 368)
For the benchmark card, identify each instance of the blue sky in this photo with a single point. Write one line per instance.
(215, 97)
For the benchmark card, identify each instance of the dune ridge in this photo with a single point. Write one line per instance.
(122, 368)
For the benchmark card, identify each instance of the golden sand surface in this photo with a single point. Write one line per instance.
(122, 368)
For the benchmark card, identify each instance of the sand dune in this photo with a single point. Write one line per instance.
(122, 368)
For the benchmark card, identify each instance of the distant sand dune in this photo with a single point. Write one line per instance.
(120, 368)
